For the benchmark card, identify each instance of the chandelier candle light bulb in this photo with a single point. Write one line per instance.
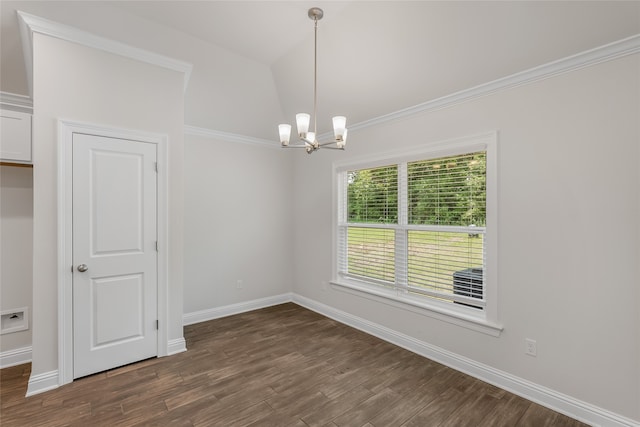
(302, 123)
(285, 133)
(306, 139)
(339, 126)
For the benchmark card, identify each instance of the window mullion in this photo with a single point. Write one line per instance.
(342, 229)
(401, 231)
(402, 195)
(342, 198)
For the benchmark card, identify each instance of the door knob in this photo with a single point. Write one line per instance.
(82, 268)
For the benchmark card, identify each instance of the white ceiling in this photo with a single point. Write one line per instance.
(263, 31)
(253, 61)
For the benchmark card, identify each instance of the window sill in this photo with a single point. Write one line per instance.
(470, 320)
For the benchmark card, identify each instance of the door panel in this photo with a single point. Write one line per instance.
(120, 205)
(111, 327)
(114, 236)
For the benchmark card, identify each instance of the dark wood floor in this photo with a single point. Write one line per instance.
(280, 366)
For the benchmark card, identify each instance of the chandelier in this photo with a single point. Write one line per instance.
(308, 140)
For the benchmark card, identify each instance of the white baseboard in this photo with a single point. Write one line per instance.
(49, 380)
(42, 382)
(229, 310)
(562, 403)
(15, 357)
(559, 402)
(176, 346)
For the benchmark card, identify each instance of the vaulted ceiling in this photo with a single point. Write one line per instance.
(253, 61)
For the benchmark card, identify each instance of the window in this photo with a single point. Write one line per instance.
(415, 227)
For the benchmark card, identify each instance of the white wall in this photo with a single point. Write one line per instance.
(222, 82)
(569, 164)
(82, 84)
(16, 239)
(569, 236)
(238, 201)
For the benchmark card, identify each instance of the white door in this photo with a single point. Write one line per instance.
(115, 257)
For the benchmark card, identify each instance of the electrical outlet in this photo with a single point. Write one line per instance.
(531, 347)
(239, 284)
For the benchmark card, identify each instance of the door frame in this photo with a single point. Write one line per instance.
(66, 130)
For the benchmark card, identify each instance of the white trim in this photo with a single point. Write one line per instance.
(415, 305)
(617, 49)
(544, 396)
(66, 129)
(16, 102)
(486, 321)
(176, 346)
(15, 357)
(230, 137)
(42, 382)
(608, 52)
(229, 310)
(440, 148)
(30, 24)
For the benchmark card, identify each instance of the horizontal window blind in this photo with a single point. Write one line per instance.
(417, 226)
(372, 195)
(448, 190)
(371, 253)
(448, 265)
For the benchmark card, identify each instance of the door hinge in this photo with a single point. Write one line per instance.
(157, 324)
(156, 166)
(156, 246)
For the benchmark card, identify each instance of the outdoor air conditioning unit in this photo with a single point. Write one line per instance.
(469, 284)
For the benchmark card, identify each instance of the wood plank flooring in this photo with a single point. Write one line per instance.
(282, 366)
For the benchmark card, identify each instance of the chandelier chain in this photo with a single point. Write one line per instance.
(315, 75)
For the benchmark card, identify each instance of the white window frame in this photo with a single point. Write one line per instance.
(485, 320)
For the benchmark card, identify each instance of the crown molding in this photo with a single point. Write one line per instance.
(618, 49)
(30, 24)
(227, 136)
(608, 52)
(14, 101)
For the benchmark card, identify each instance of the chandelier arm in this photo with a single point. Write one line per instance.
(299, 143)
(294, 146)
(326, 144)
